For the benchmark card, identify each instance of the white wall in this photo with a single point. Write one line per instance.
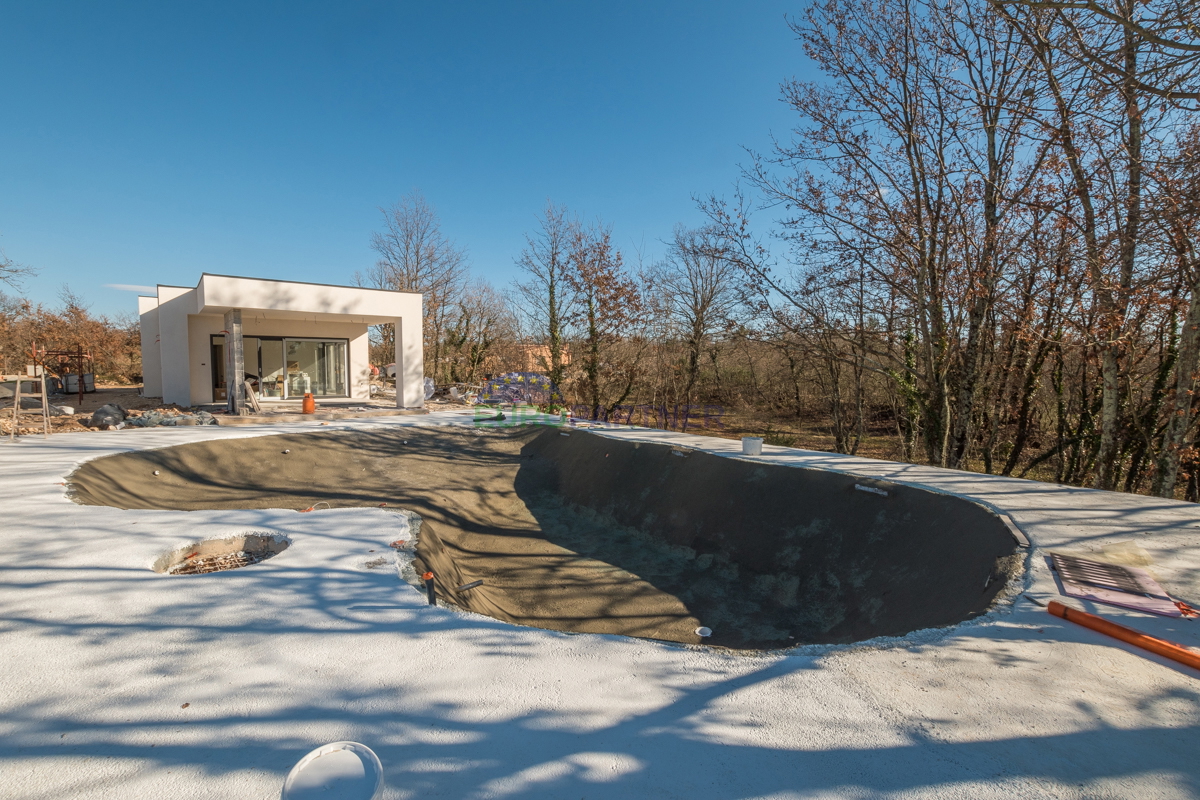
(410, 363)
(223, 292)
(174, 304)
(151, 354)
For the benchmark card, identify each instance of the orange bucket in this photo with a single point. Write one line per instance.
(309, 406)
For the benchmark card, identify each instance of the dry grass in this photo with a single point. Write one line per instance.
(788, 431)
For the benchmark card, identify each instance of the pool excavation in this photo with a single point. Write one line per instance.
(576, 531)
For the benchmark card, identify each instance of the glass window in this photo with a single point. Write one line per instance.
(250, 359)
(272, 369)
(217, 359)
(315, 366)
(283, 368)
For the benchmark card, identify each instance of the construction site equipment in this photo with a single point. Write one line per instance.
(17, 382)
(79, 384)
(1155, 645)
(75, 367)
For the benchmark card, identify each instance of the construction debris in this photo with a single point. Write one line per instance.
(108, 416)
(155, 418)
(217, 563)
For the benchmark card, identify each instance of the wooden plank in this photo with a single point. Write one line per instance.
(16, 410)
(45, 407)
(252, 397)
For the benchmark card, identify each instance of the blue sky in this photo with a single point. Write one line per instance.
(146, 143)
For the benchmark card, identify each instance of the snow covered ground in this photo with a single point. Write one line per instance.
(118, 682)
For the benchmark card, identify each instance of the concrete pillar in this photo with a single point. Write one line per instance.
(235, 363)
(410, 364)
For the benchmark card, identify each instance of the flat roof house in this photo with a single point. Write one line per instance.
(286, 339)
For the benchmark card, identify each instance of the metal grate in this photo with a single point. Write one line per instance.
(1105, 576)
(1125, 587)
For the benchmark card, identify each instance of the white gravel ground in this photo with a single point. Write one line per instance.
(100, 655)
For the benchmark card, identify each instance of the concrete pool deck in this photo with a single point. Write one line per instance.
(322, 643)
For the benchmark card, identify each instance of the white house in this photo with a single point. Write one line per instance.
(286, 338)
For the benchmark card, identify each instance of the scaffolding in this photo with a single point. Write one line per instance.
(65, 363)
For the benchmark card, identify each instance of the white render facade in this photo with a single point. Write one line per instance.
(301, 336)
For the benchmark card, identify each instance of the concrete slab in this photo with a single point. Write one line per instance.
(320, 644)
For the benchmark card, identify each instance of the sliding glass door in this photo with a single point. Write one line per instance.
(273, 383)
(283, 368)
(317, 366)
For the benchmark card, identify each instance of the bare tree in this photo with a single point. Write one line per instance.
(899, 180)
(696, 288)
(1177, 213)
(1167, 32)
(11, 272)
(607, 306)
(415, 256)
(545, 295)
(481, 319)
(1099, 79)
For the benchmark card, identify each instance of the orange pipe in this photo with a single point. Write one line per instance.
(1162, 647)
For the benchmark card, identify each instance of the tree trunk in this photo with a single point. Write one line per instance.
(1180, 420)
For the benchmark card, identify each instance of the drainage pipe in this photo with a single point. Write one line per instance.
(1161, 647)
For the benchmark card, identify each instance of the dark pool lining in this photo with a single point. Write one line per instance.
(919, 577)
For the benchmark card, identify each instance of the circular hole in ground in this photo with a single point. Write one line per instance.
(218, 555)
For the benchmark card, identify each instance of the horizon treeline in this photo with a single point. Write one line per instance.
(979, 240)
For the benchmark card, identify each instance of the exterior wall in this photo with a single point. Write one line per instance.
(201, 327)
(410, 363)
(536, 357)
(151, 361)
(199, 357)
(174, 305)
(223, 291)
